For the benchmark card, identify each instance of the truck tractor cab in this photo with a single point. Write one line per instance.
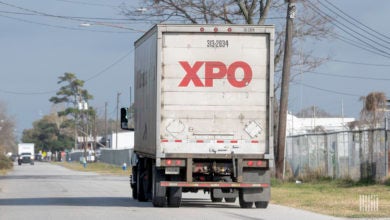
(26, 158)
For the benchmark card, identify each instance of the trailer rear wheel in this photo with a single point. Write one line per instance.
(174, 194)
(261, 204)
(213, 199)
(159, 192)
(134, 185)
(244, 204)
(134, 191)
(141, 193)
(230, 200)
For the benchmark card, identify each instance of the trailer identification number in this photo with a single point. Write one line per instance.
(217, 43)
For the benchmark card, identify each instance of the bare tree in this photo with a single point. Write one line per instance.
(7, 128)
(372, 115)
(373, 111)
(309, 26)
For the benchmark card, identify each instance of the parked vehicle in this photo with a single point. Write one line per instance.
(26, 153)
(203, 113)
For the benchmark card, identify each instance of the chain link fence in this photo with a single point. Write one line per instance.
(361, 154)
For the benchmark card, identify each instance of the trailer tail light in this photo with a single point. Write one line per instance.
(255, 163)
(172, 162)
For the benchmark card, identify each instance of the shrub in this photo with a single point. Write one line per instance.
(386, 182)
(5, 162)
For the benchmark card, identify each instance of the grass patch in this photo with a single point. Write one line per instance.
(336, 198)
(3, 172)
(101, 168)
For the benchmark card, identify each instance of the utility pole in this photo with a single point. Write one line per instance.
(105, 124)
(291, 10)
(117, 116)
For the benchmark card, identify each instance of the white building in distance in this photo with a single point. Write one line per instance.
(298, 126)
(125, 140)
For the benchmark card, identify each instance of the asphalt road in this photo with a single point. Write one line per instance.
(46, 191)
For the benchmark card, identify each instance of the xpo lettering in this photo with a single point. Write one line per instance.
(215, 70)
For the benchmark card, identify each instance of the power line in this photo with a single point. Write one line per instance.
(352, 23)
(338, 24)
(88, 3)
(329, 91)
(349, 76)
(109, 66)
(371, 29)
(89, 79)
(359, 63)
(64, 27)
(363, 47)
(69, 18)
(73, 17)
(324, 14)
(26, 93)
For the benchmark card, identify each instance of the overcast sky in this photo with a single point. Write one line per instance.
(36, 49)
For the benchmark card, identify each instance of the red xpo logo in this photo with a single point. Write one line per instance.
(215, 70)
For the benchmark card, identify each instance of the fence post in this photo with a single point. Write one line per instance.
(386, 149)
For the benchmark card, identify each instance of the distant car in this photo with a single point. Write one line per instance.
(38, 157)
(26, 158)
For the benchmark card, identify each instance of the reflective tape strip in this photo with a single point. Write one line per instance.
(209, 141)
(213, 184)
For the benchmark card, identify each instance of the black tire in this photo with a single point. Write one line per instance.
(159, 193)
(243, 204)
(134, 191)
(174, 194)
(141, 195)
(213, 199)
(261, 204)
(133, 186)
(230, 200)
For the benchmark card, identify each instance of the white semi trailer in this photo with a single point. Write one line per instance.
(203, 113)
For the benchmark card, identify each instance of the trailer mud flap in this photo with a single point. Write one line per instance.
(257, 194)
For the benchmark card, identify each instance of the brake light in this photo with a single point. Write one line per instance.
(173, 162)
(255, 163)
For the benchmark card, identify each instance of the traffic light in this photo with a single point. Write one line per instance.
(124, 118)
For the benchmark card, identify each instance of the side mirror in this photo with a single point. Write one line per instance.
(125, 119)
